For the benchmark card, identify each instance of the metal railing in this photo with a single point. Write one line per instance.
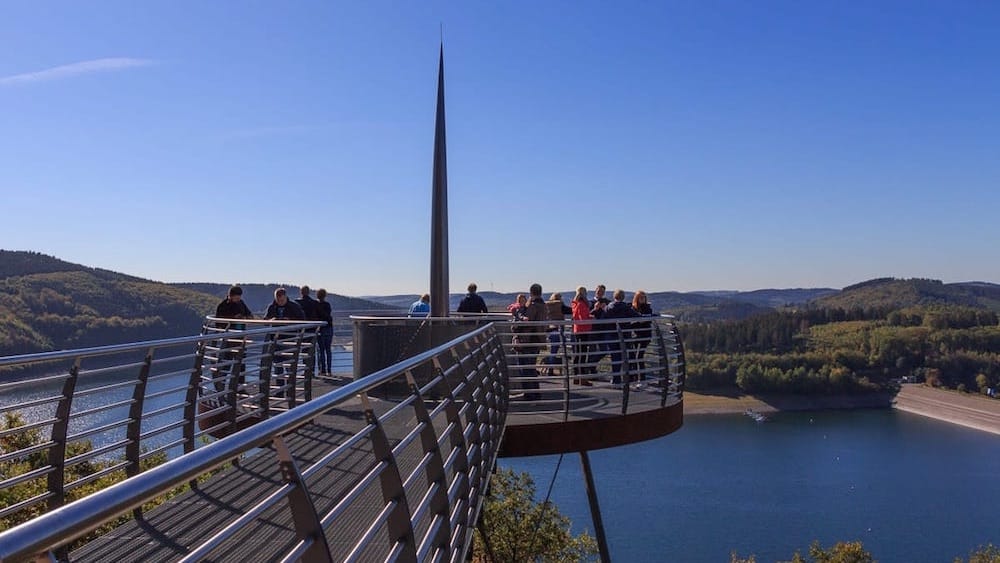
(430, 460)
(561, 366)
(75, 417)
(592, 368)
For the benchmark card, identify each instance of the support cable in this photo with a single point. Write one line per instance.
(545, 505)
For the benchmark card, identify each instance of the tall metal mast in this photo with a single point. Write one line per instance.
(439, 208)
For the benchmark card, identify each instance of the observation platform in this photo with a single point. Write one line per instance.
(392, 465)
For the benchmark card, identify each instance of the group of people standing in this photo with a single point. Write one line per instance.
(305, 308)
(471, 303)
(591, 340)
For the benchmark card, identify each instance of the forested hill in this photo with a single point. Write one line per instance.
(21, 263)
(48, 304)
(891, 293)
(258, 296)
(862, 338)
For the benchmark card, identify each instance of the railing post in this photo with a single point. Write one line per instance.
(266, 365)
(60, 429)
(475, 443)
(291, 394)
(133, 432)
(304, 516)
(564, 343)
(435, 467)
(457, 442)
(665, 353)
(311, 364)
(232, 386)
(191, 398)
(398, 525)
(676, 333)
(625, 373)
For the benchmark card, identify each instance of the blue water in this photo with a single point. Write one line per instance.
(176, 384)
(908, 487)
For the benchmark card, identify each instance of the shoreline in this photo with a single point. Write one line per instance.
(727, 403)
(969, 410)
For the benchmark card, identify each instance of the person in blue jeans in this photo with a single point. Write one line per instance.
(619, 310)
(324, 355)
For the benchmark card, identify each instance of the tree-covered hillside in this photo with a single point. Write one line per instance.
(891, 293)
(49, 304)
(860, 339)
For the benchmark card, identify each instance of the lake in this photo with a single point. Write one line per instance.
(909, 487)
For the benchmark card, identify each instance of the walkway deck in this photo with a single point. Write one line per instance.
(166, 532)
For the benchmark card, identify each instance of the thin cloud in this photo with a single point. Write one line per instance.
(76, 69)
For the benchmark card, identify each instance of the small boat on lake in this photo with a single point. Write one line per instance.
(756, 416)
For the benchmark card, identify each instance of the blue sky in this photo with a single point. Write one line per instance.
(653, 145)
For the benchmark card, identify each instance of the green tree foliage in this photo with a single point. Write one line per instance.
(988, 553)
(842, 351)
(520, 529)
(14, 441)
(10, 442)
(841, 552)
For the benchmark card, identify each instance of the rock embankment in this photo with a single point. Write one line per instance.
(974, 411)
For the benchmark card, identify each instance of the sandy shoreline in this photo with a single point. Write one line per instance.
(970, 410)
(706, 403)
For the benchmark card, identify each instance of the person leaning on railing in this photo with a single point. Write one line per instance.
(619, 309)
(282, 308)
(232, 307)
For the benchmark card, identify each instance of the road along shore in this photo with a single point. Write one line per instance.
(966, 409)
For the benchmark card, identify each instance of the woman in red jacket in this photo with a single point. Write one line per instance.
(581, 333)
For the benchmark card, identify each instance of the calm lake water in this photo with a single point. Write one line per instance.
(911, 488)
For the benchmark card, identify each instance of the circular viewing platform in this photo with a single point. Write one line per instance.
(615, 382)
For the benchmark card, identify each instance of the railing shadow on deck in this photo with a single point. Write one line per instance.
(427, 461)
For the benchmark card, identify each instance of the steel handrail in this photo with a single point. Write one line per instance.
(39, 357)
(55, 528)
(61, 409)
